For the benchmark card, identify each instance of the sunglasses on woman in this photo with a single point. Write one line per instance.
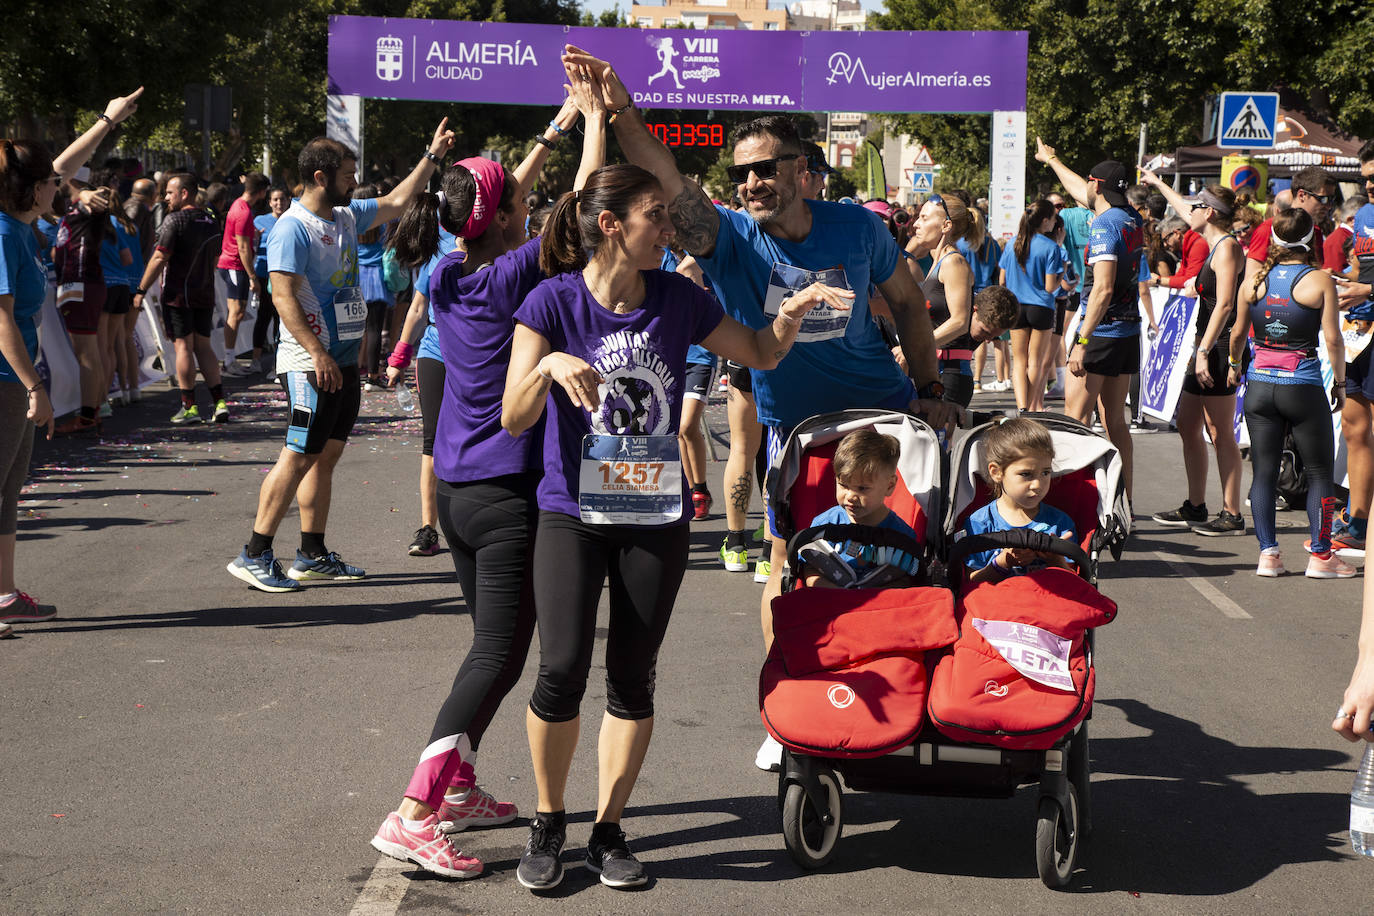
(764, 168)
(937, 199)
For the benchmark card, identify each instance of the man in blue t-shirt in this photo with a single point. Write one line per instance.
(312, 257)
(1106, 350)
(782, 245)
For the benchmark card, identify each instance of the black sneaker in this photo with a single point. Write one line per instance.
(1185, 516)
(1226, 524)
(426, 543)
(610, 857)
(540, 868)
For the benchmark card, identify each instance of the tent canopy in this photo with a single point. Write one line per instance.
(1303, 139)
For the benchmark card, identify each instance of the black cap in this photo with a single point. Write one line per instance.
(815, 160)
(1111, 178)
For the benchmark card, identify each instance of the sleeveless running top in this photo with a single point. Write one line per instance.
(1207, 294)
(934, 289)
(1281, 323)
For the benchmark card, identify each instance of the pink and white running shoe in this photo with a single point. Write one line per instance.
(429, 847)
(479, 809)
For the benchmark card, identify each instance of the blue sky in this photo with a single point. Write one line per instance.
(596, 6)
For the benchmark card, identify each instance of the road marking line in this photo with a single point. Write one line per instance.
(1204, 588)
(384, 891)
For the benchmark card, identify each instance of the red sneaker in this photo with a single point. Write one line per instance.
(701, 505)
(429, 847)
(479, 809)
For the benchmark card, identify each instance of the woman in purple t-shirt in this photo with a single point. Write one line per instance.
(485, 486)
(600, 350)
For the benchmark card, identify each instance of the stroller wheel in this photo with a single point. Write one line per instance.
(810, 839)
(1056, 840)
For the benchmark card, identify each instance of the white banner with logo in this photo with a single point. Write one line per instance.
(1007, 191)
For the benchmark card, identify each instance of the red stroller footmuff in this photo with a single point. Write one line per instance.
(1020, 675)
(847, 673)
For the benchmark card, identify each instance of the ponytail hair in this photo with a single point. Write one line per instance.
(960, 216)
(572, 234)
(1035, 214)
(1289, 226)
(416, 238)
(1227, 198)
(23, 164)
(977, 230)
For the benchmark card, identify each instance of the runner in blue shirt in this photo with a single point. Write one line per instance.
(1106, 349)
(312, 256)
(29, 178)
(784, 246)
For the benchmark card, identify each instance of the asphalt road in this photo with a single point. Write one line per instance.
(177, 742)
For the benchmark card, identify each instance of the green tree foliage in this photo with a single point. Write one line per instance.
(1099, 69)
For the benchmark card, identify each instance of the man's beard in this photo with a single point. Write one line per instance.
(338, 198)
(764, 217)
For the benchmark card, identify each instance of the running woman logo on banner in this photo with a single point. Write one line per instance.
(823, 322)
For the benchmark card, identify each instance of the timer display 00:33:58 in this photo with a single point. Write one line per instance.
(689, 134)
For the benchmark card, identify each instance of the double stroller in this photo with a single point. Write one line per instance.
(938, 688)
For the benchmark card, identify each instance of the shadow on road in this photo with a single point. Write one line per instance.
(291, 611)
(1173, 816)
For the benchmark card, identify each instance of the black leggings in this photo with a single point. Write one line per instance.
(1269, 411)
(429, 376)
(488, 525)
(958, 387)
(571, 560)
(371, 355)
(267, 316)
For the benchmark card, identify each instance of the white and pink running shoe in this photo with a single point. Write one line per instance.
(1329, 567)
(429, 847)
(479, 809)
(1270, 565)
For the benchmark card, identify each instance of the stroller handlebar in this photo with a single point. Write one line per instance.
(1017, 538)
(864, 534)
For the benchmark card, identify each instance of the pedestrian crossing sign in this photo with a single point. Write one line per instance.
(1248, 120)
(923, 182)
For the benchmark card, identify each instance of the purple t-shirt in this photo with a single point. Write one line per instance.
(475, 317)
(642, 357)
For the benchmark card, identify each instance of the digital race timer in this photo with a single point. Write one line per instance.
(704, 134)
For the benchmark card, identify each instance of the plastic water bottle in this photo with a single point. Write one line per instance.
(1362, 805)
(404, 399)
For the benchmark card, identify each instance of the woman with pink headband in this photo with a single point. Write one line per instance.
(413, 251)
(485, 479)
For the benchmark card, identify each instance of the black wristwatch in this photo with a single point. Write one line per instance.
(429, 154)
(139, 291)
(932, 392)
(544, 141)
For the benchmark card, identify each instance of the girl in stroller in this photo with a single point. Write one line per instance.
(1020, 457)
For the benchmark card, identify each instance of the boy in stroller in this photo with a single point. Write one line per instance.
(1020, 455)
(865, 476)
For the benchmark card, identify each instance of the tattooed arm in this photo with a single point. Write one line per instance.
(692, 213)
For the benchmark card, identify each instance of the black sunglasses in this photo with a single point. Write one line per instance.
(1199, 206)
(937, 199)
(764, 168)
(1319, 198)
